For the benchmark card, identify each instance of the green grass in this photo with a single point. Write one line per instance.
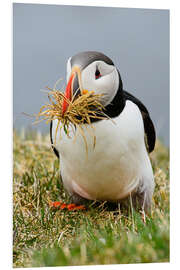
(45, 237)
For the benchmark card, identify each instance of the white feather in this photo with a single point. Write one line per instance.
(107, 84)
(68, 69)
(116, 165)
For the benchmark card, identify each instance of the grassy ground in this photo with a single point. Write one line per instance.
(43, 237)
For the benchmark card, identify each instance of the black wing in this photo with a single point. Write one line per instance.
(148, 124)
(54, 149)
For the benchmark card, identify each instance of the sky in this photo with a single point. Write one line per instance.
(45, 36)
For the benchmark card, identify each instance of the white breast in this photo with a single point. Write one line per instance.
(112, 169)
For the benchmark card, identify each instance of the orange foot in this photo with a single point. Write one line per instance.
(69, 207)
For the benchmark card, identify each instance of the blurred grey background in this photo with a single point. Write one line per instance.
(45, 36)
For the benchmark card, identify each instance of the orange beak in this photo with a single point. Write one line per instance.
(68, 93)
(69, 88)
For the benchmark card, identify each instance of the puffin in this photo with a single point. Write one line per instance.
(118, 167)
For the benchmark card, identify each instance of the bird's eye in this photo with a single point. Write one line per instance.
(97, 74)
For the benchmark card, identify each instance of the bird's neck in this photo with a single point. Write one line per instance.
(117, 105)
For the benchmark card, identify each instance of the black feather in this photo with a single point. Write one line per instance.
(148, 124)
(54, 149)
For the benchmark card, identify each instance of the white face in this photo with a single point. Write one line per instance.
(68, 69)
(106, 83)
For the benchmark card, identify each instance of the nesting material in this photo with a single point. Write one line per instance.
(80, 110)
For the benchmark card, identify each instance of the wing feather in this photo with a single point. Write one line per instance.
(150, 134)
(51, 137)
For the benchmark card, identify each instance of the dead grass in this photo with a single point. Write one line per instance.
(81, 109)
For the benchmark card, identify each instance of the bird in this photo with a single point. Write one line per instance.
(118, 167)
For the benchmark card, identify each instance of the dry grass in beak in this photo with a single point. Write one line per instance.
(80, 110)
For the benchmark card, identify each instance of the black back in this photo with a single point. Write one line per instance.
(148, 124)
